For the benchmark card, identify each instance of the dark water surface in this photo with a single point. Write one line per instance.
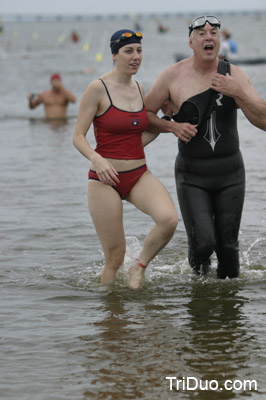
(65, 336)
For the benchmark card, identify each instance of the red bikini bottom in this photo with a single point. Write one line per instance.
(127, 179)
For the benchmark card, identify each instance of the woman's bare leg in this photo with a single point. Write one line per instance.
(106, 211)
(150, 196)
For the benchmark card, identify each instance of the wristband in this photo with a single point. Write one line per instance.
(166, 117)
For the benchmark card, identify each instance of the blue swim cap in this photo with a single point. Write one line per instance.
(119, 40)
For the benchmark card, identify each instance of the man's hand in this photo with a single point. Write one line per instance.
(226, 85)
(184, 131)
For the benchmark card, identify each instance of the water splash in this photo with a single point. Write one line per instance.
(246, 254)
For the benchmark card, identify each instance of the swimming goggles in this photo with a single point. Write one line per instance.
(127, 35)
(201, 21)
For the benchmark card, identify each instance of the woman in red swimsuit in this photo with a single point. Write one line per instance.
(114, 105)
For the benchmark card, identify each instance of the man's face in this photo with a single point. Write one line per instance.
(56, 84)
(205, 41)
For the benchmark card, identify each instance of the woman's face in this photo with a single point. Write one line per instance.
(129, 58)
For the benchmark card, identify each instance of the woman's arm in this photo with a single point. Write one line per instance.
(87, 111)
(89, 106)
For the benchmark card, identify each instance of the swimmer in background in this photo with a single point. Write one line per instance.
(55, 100)
(228, 47)
(162, 28)
(74, 37)
(137, 27)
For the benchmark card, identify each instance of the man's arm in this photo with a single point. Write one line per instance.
(34, 100)
(69, 95)
(154, 101)
(239, 86)
(148, 137)
(158, 98)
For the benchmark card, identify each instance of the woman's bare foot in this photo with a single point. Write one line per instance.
(136, 275)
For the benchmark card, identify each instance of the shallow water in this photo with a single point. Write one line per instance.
(65, 336)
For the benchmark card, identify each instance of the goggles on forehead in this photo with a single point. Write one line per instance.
(201, 21)
(127, 35)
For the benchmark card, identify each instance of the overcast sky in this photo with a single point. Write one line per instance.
(126, 6)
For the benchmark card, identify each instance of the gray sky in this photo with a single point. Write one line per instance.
(125, 6)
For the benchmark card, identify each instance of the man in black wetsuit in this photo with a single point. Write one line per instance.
(202, 97)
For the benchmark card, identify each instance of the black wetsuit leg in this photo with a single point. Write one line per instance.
(228, 205)
(211, 208)
(197, 213)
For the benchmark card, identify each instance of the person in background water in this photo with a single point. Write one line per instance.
(228, 48)
(209, 170)
(162, 28)
(114, 105)
(74, 37)
(55, 100)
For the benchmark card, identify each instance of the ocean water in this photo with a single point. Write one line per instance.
(63, 334)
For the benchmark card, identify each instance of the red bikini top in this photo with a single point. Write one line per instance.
(118, 132)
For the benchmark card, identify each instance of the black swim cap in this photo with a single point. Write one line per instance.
(118, 40)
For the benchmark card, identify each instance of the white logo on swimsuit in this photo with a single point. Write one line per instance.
(218, 100)
(212, 135)
(135, 122)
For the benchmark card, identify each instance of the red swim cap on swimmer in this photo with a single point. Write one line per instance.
(55, 76)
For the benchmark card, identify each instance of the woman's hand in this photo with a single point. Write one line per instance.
(105, 171)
